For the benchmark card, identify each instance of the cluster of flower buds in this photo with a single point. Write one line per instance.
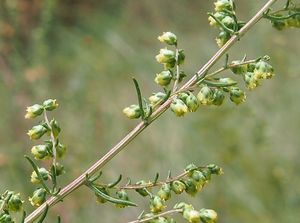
(10, 201)
(225, 19)
(194, 216)
(51, 149)
(171, 61)
(286, 18)
(192, 182)
(254, 73)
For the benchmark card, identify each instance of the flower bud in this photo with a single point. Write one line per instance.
(50, 104)
(156, 204)
(164, 192)
(5, 217)
(218, 97)
(60, 150)
(37, 132)
(100, 199)
(40, 152)
(44, 174)
(219, 15)
(191, 215)
(208, 216)
(168, 38)
(190, 169)
(15, 203)
(237, 95)
(263, 70)
(179, 107)
(192, 103)
(181, 57)
(142, 191)
(55, 127)
(60, 169)
(166, 56)
(122, 194)
(229, 22)
(251, 80)
(207, 174)
(157, 97)
(38, 197)
(199, 177)
(34, 111)
(177, 186)
(163, 78)
(221, 5)
(214, 169)
(132, 112)
(183, 96)
(222, 38)
(191, 187)
(205, 95)
(238, 69)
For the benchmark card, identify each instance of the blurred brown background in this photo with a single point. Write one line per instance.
(84, 53)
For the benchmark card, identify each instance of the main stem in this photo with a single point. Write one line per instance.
(142, 125)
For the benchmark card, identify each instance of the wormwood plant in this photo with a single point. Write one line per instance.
(205, 88)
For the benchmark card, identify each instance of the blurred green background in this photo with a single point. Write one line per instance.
(84, 53)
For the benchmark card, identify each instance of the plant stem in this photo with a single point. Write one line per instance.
(142, 125)
(158, 215)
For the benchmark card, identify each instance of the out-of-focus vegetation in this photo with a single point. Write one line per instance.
(84, 53)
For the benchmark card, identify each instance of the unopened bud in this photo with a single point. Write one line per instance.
(122, 194)
(179, 107)
(37, 132)
(205, 95)
(168, 38)
(238, 69)
(44, 174)
(15, 203)
(38, 197)
(34, 111)
(192, 103)
(156, 204)
(50, 104)
(164, 192)
(55, 127)
(218, 97)
(237, 95)
(132, 112)
(60, 150)
(218, 15)
(222, 5)
(177, 186)
(208, 216)
(163, 78)
(40, 152)
(166, 57)
(157, 97)
(222, 38)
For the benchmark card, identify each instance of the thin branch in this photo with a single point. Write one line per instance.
(142, 125)
(166, 213)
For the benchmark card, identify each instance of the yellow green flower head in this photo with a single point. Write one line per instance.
(228, 21)
(208, 216)
(34, 177)
(218, 97)
(163, 78)
(237, 95)
(156, 97)
(222, 38)
(40, 152)
(15, 202)
(178, 187)
(221, 5)
(164, 192)
(156, 204)
(191, 215)
(179, 107)
(192, 103)
(38, 197)
(205, 95)
(50, 104)
(166, 56)
(239, 69)
(263, 70)
(251, 80)
(168, 38)
(219, 16)
(132, 112)
(37, 132)
(34, 111)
